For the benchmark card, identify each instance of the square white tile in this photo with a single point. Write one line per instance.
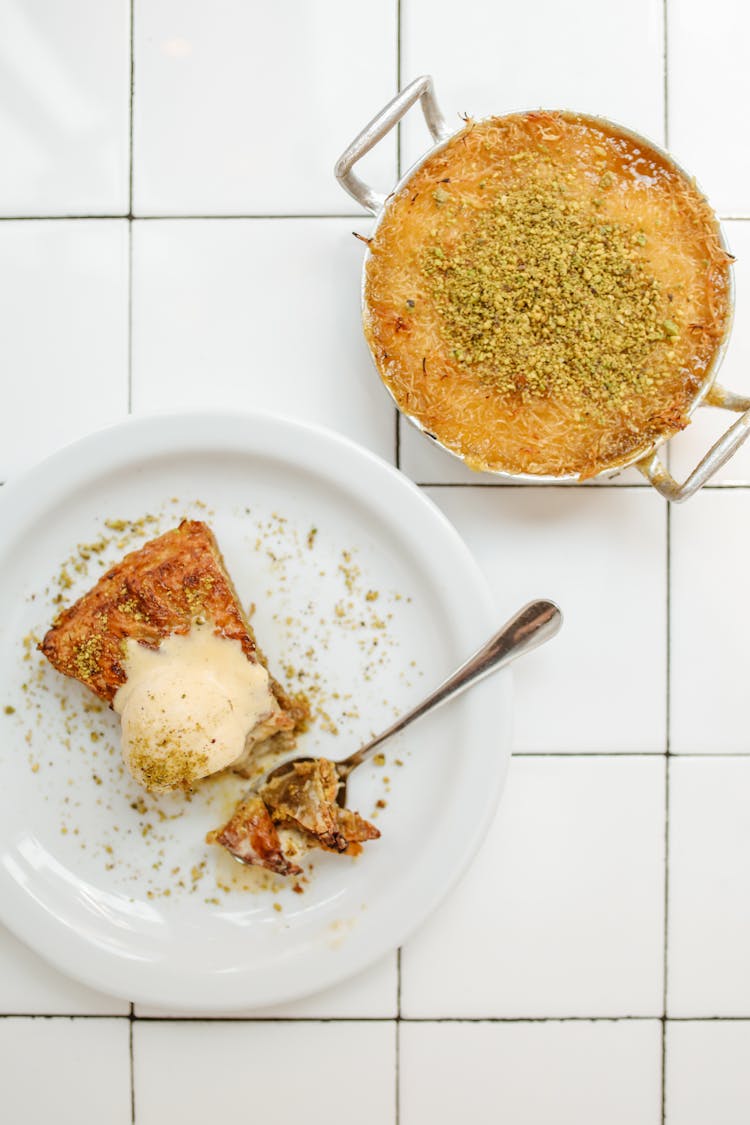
(28, 985)
(707, 1076)
(257, 313)
(709, 909)
(709, 86)
(66, 1071)
(245, 108)
(64, 345)
(531, 1073)
(499, 58)
(274, 1072)
(601, 554)
(65, 109)
(372, 994)
(710, 618)
(562, 912)
(688, 448)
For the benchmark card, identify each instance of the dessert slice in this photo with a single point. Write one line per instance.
(250, 835)
(163, 639)
(302, 801)
(305, 799)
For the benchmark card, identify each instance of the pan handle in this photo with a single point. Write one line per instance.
(656, 472)
(422, 90)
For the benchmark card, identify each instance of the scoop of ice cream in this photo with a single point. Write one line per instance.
(189, 707)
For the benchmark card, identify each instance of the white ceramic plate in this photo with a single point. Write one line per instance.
(373, 608)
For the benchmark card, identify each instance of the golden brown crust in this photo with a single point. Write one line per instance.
(154, 592)
(251, 836)
(158, 590)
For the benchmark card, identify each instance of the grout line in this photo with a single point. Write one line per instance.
(592, 754)
(407, 1019)
(706, 755)
(58, 218)
(353, 216)
(132, 101)
(63, 1016)
(397, 1077)
(398, 984)
(663, 1072)
(529, 1019)
(667, 747)
(668, 684)
(398, 87)
(249, 1018)
(708, 1019)
(132, 1067)
(390, 1019)
(686, 755)
(398, 1036)
(399, 24)
(129, 343)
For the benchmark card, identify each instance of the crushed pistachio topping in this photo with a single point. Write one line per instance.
(87, 657)
(543, 296)
(130, 606)
(174, 768)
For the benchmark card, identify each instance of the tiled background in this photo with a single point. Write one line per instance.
(171, 235)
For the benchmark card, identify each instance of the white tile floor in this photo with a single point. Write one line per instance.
(64, 294)
(574, 929)
(65, 112)
(217, 294)
(157, 241)
(71, 1071)
(532, 1073)
(707, 1076)
(275, 1072)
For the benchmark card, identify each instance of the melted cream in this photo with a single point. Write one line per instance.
(190, 708)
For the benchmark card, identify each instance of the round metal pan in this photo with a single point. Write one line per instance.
(710, 393)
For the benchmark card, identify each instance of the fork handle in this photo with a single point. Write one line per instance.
(536, 623)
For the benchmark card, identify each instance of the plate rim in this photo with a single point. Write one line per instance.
(90, 975)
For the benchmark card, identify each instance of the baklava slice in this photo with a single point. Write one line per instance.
(250, 835)
(162, 638)
(303, 801)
